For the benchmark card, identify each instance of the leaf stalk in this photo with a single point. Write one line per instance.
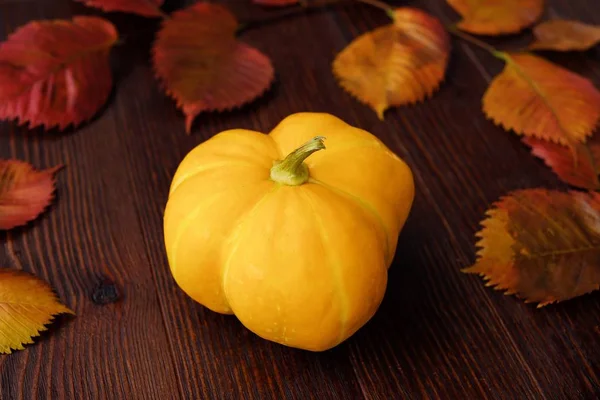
(473, 40)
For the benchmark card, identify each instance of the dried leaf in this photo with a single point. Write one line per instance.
(497, 17)
(147, 8)
(543, 246)
(276, 3)
(536, 98)
(580, 171)
(24, 192)
(56, 73)
(27, 304)
(564, 35)
(397, 64)
(202, 65)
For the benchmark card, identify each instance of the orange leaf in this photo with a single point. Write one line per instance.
(275, 3)
(27, 304)
(497, 17)
(24, 192)
(202, 65)
(56, 73)
(397, 64)
(580, 172)
(564, 35)
(536, 98)
(543, 246)
(147, 8)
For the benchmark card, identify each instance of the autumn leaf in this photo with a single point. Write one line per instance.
(56, 73)
(580, 170)
(203, 66)
(397, 64)
(146, 8)
(276, 3)
(496, 17)
(27, 304)
(565, 35)
(543, 246)
(536, 98)
(24, 192)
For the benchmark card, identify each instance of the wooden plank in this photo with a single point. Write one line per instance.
(216, 351)
(438, 334)
(91, 239)
(480, 343)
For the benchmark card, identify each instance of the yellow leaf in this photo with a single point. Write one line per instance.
(536, 98)
(397, 64)
(27, 304)
(496, 17)
(543, 246)
(564, 35)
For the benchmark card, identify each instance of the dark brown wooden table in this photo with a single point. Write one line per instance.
(439, 333)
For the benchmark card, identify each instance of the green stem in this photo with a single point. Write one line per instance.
(291, 170)
(473, 40)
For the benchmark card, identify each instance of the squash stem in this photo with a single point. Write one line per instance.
(292, 170)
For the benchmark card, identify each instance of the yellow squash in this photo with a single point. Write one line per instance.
(295, 244)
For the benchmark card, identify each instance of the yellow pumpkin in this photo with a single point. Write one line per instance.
(295, 244)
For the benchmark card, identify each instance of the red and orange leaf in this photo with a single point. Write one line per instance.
(24, 192)
(147, 8)
(497, 17)
(56, 73)
(203, 66)
(27, 305)
(276, 3)
(536, 98)
(580, 171)
(565, 35)
(543, 246)
(397, 64)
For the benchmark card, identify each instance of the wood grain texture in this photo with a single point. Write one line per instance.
(439, 334)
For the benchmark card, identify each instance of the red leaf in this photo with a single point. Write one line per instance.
(202, 65)
(56, 73)
(147, 8)
(275, 3)
(582, 172)
(24, 192)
